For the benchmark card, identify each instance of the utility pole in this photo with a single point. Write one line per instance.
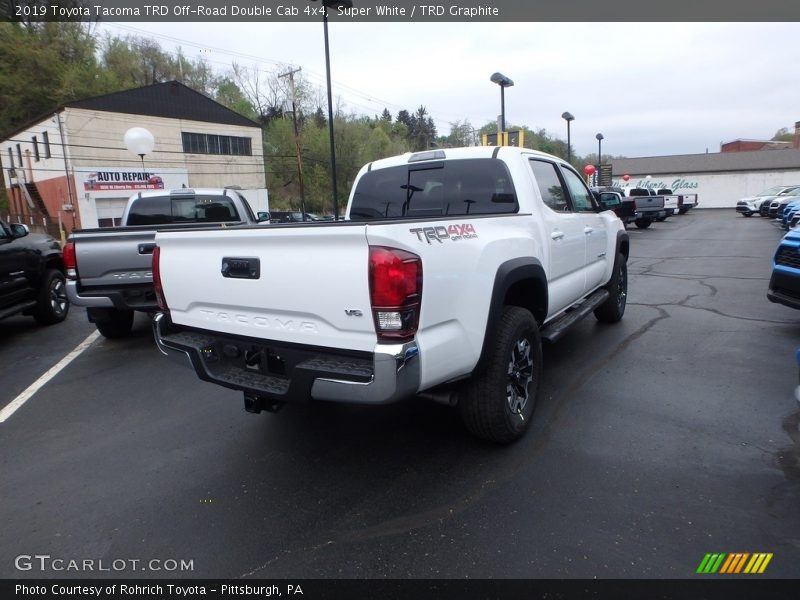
(290, 75)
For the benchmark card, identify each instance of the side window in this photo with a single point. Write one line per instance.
(578, 192)
(549, 185)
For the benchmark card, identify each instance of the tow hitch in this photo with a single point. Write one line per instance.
(255, 404)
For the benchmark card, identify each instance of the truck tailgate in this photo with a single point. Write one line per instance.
(275, 280)
(114, 257)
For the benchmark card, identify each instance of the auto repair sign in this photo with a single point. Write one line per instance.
(122, 179)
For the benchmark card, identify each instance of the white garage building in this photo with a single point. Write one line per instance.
(719, 179)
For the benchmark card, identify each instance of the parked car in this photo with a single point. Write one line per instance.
(784, 284)
(751, 205)
(109, 269)
(31, 275)
(789, 213)
(765, 201)
(782, 201)
(451, 267)
(288, 216)
(641, 210)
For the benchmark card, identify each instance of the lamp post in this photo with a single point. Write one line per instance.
(326, 4)
(503, 82)
(567, 116)
(599, 138)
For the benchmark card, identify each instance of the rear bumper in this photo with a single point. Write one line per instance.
(138, 297)
(290, 373)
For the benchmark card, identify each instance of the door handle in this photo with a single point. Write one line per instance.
(557, 235)
(146, 248)
(587, 230)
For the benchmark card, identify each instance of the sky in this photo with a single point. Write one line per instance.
(650, 89)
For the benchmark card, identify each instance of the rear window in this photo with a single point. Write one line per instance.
(453, 187)
(165, 210)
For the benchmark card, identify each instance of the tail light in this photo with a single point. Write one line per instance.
(70, 262)
(395, 288)
(162, 302)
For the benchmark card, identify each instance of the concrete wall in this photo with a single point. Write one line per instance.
(96, 138)
(715, 190)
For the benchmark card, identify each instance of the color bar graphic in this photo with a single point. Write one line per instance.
(734, 563)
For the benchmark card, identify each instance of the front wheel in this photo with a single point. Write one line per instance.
(498, 403)
(643, 223)
(747, 214)
(611, 310)
(52, 304)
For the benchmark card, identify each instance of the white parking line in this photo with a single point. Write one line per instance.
(12, 406)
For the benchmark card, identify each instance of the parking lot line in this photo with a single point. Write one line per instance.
(12, 406)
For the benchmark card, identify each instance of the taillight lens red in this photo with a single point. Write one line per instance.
(395, 285)
(70, 262)
(162, 302)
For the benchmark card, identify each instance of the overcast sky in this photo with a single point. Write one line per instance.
(651, 89)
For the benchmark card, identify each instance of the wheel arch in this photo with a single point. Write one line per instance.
(518, 282)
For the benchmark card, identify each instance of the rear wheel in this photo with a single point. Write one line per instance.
(110, 322)
(612, 309)
(52, 304)
(498, 403)
(643, 223)
(747, 214)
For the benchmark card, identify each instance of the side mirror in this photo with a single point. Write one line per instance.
(609, 201)
(262, 216)
(19, 230)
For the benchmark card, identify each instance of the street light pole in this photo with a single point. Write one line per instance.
(326, 4)
(567, 116)
(503, 82)
(599, 138)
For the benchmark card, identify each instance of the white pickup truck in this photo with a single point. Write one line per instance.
(448, 270)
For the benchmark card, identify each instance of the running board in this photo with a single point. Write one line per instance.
(559, 326)
(17, 308)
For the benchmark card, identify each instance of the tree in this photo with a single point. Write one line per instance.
(44, 65)
(386, 115)
(228, 94)
(783, 135)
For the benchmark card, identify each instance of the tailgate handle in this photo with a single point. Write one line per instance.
(238, 267)
(146, 248)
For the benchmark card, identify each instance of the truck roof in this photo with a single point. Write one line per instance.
(456, 153)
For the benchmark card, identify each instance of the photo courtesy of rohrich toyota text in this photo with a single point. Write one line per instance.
(335, 299)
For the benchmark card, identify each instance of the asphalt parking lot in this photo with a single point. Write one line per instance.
(668, 436)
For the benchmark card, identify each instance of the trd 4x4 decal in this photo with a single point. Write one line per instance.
(440, 233)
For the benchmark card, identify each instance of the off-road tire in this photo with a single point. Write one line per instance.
(52, 305)
(612, 310)
(497, 404)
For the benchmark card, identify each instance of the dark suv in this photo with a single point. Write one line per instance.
(31, 275)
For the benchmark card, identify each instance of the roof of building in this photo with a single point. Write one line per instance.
(171, 100)
(757, 160)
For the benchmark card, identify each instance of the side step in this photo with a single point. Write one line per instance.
(559, 326)
(17, 308)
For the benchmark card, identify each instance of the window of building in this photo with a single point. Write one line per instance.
(207, 143)
(19, 155)
(35, 148)
(46, 142)
(10, 158)
(109, 222)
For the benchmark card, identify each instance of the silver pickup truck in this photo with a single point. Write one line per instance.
(109, 270)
